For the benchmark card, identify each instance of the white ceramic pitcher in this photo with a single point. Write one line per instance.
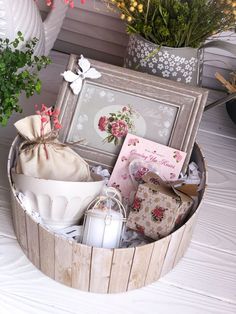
(24, 16)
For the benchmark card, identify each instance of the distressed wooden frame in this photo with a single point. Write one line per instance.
(189, 101)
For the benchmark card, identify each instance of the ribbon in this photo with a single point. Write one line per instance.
(49, 138)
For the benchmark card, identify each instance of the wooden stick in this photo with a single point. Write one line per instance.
(227, 84)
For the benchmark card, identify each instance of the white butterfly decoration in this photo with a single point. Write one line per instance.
(86, 71)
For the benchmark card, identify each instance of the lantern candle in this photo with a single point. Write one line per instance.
(104, 220)
(103, 228)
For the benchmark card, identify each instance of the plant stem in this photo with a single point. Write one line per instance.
(146, 16)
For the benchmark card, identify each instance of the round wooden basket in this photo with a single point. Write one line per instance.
(96, 269)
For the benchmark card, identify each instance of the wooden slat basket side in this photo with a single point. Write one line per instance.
(95, 269)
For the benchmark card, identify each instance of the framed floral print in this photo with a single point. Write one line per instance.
(116, 101)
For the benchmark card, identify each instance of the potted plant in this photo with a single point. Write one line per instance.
(18, 72)
(166, 36)
(231, 89)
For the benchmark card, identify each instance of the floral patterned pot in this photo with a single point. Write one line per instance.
(178, 64)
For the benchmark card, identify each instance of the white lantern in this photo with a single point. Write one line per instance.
(104, 221)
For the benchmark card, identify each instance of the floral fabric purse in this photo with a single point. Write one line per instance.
(158, 207)
(42, 156)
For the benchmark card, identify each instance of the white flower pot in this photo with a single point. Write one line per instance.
(24, 16)
(59, 203)
(183, 65)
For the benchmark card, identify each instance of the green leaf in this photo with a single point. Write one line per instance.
(110, 138)
(18, 73)
(4, 120)
(116, 141)
(38, 86)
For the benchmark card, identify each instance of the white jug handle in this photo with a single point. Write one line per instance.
(53, 22)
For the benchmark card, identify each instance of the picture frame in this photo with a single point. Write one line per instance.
(160, 110)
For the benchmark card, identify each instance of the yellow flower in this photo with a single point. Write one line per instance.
(122, 16)
(129, 18)
(140, 6)
(131, 9)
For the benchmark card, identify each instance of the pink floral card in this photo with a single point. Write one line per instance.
(137, 157)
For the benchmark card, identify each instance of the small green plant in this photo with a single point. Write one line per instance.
(176, 23)
(18, 73)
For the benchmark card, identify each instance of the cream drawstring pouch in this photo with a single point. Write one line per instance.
(44, 157)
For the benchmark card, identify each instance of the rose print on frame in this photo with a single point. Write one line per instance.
(116, 125)
(159, 110)
(114, 115)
